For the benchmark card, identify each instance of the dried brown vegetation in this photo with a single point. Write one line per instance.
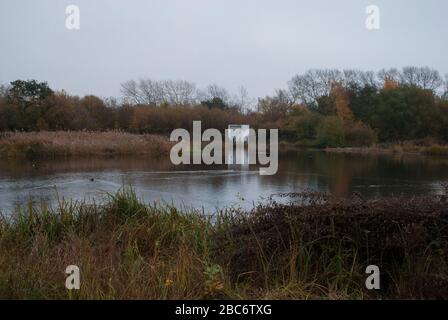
(330, 241)
(317, 249)
(80, 143)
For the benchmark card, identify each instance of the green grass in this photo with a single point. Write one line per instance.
(127, 249)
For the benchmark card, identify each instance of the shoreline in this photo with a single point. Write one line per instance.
(366, 150)
(433, 150)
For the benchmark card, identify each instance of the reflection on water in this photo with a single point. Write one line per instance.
(211, 187)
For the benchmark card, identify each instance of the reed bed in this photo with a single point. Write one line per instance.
(317, 249)
(46, 144)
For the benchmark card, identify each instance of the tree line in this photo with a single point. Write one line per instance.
(318, 107)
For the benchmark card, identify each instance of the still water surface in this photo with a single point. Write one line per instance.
(216, 187)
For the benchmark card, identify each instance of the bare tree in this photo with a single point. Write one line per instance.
(430, 79)
(214, 91)
(179, 92)
(307, 88)
(4, 91)
(389, 74)
(242, 100)
(131, 93)
(151, 92)
(445, 87)
(360, 78)
(423, 77)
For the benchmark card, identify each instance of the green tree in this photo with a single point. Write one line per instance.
(215, 102)
(405, 113)
(363, 101)
(28, 96)
(29, 91)
(330, 132)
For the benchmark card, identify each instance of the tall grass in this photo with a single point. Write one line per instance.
(80, 143)
(130, 250)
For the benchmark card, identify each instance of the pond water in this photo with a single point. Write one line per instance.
(212, 187)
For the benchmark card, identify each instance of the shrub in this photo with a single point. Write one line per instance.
(306, 125)
(330, 133)
(329, 241)
(358, 134)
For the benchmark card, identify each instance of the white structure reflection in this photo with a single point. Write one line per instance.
(238, 138)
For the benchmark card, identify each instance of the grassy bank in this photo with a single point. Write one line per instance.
(320, 249)
(404, 148)
(46, 144)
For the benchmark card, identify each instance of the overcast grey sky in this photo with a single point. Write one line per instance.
(259, 44)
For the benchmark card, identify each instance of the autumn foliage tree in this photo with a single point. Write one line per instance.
(320, 107)
(341, 102)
